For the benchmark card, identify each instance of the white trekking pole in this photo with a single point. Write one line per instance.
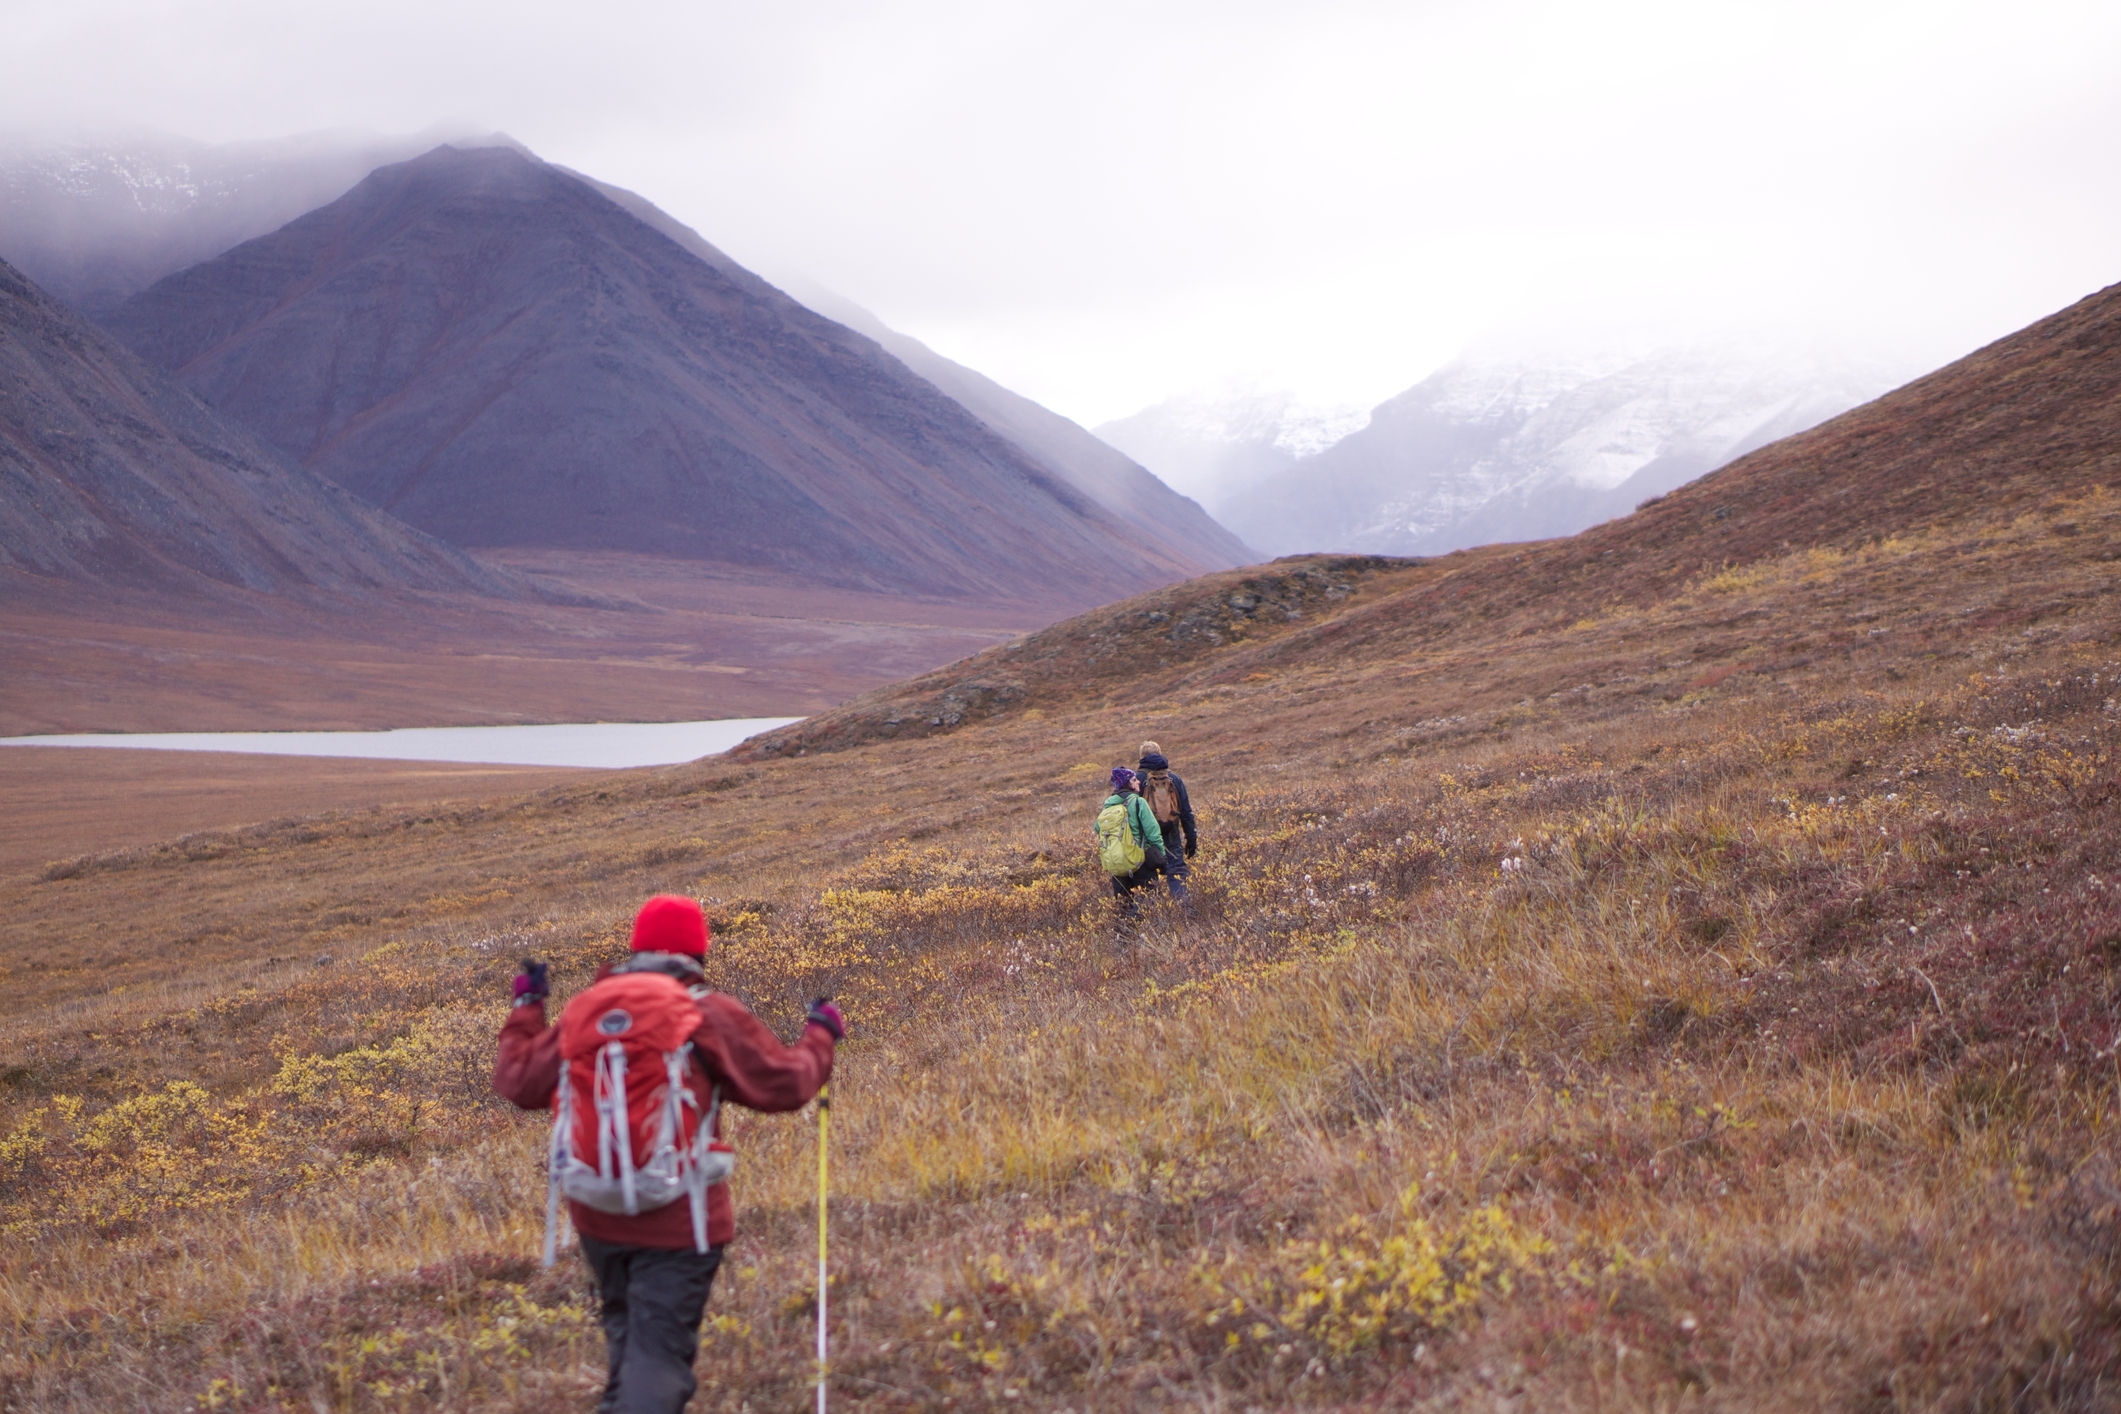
(824, 1111)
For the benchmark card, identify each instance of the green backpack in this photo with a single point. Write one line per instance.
(1117, 849)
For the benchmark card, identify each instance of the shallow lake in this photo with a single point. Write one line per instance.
(609, 745)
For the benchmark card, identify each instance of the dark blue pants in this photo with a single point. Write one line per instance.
(1176, 865)
(1172, 866)
(653, 1298)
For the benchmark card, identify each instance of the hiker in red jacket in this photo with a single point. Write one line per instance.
(650, 1267)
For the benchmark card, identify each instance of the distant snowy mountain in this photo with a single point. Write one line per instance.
(96, 220)
(1493, 448)
(1215, 446)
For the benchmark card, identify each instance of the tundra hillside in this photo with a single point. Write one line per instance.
(1674, 963)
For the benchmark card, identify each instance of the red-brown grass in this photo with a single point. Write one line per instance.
(1590, 1000)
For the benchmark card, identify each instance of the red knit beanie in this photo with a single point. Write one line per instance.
(667, 923)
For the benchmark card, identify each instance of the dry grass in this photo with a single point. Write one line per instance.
(1608, 1005)
(65, 801)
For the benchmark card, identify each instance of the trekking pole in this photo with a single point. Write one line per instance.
(824, 1111)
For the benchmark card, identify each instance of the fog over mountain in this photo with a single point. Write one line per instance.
(502, 353)
(95, 220)
(1217, 445)
(1495, 446)
(1091, 466)
(1511, 446)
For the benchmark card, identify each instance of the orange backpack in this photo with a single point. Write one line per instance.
(627, 1132)
(1161, 795)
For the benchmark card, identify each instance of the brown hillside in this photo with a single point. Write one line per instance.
(1154, 637)
(1990, 437)
(65, 801)
(1705, 999)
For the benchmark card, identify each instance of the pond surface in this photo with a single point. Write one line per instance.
(609, 745)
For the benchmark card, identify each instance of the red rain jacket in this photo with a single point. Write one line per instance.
(731, 1048)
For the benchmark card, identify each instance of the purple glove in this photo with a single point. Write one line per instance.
(532, 985)
(824, 1013)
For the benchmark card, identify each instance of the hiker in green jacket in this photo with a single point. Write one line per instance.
(1130, 844)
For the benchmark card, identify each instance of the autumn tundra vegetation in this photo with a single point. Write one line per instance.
(1673, 966)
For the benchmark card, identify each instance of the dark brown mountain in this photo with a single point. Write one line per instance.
(501, 355)
(115, 476)
(1105, 474)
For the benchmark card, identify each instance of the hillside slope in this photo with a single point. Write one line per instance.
(1983, 438)
(1996, 435)
(1155, 637)
(499, 354)
(114, 476)
(1600, 987)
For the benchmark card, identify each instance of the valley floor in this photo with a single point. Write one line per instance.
(653, 640)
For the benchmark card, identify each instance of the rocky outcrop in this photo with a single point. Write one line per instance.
(1174, 630)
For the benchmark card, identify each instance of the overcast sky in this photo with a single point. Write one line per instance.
(1102, 205)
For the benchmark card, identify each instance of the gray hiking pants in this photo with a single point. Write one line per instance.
(653, 1298)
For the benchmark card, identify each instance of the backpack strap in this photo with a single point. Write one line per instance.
(614, 1129)
(696, 1174)
(556, 1153)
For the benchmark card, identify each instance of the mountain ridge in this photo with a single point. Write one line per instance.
(1490, 450)
(1496, 446)
(503, 354)
(1098, 470)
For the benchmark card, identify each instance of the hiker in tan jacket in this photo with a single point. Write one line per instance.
(1173, 808)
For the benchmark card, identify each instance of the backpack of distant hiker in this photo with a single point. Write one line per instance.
(628, 1135)
(1161, 794)
(1117, 849)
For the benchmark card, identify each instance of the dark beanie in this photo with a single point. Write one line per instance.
(1154, 762)
(667, 923)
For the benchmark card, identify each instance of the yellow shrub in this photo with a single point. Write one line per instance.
(1350, 1289)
